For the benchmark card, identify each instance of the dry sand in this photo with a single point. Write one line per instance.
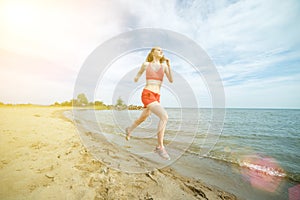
(42, 158)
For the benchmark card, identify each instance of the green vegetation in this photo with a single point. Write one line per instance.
(82, 102)
(120, 105)
(9, 104)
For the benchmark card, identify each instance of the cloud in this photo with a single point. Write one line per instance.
(265, 93)
(251, 31)
(249, 41)
(61, 31)
(39, 80)
(50, 48)
(35, 66)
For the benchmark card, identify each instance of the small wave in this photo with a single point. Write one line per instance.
(267, 170)
(294, 177)
(271, 171)
(263, 169)
(209, 156)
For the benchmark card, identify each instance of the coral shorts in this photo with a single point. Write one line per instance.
(148, 97)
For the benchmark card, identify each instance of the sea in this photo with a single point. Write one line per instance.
(251, 153)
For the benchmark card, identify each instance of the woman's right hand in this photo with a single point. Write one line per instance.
(167, 61)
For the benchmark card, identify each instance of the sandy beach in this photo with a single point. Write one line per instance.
(42, 157)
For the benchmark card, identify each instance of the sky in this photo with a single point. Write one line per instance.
(253, 44)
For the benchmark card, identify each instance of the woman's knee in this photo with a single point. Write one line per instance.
(143, 118)
(164, 117)
(140, 120)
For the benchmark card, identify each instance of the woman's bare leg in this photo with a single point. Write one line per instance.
(159, 111)
(146, 112)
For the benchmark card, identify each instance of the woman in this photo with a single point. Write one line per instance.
(156, 66)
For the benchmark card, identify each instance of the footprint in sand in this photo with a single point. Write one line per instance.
(38, 145)
(3, 163)
(46, 169)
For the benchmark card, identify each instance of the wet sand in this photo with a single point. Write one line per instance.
(42, 157)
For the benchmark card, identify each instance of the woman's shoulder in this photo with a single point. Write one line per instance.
(146, 64)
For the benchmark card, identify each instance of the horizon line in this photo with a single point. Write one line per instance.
(274, 108)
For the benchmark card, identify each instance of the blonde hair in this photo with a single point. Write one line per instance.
(150, 56)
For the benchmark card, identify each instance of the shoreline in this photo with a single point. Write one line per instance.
(230, 177)
(42, 156)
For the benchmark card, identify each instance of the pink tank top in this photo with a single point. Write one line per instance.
(154, 75)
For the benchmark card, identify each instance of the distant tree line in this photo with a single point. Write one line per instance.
(10, 104)
(82, 101)
(120, 105)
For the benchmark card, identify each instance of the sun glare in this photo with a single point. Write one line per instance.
(20, 16)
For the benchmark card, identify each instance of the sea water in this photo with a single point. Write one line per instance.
(255, 148)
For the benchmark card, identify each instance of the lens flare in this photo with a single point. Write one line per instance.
(262, 172)
(294, 192)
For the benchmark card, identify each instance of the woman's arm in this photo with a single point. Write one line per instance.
(141, 71)
(168, 70)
